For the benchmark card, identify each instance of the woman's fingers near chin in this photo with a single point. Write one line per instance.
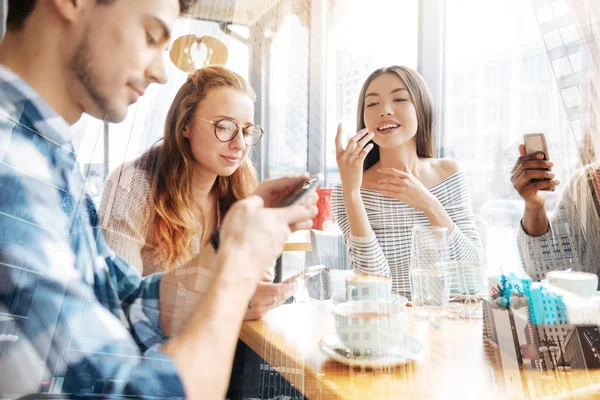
(361, 133)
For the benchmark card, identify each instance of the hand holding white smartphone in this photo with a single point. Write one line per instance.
(536, 143)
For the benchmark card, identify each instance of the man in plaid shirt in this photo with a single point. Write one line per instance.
(85, 319)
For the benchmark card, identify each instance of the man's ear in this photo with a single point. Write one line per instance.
(70, 10)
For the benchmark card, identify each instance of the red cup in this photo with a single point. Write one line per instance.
(324, 206)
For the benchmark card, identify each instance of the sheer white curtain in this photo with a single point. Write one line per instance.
(288, 83)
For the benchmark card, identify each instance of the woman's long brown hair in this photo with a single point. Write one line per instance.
(421, 99)
(169, 165)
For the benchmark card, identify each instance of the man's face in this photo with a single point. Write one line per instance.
(120, 53)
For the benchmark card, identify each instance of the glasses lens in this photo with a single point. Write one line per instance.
(253, 134)
(225, 130)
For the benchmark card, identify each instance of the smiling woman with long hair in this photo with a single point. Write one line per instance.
(159, 211)
(391, 181)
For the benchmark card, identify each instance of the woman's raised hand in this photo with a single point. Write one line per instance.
(350, 160)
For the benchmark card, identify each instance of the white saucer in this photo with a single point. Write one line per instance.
(336, 350)
(396, 299)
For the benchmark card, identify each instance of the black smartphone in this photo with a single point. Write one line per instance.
(312, 183)
(536, 143)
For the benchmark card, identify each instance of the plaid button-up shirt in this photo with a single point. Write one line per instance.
(73, 313)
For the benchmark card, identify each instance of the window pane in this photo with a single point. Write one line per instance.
(499, 85)
(288, 99)
(362, 38)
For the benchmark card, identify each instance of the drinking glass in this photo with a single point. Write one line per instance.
(430, 266)
(468, 287)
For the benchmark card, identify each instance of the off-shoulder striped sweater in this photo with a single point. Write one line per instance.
(388, 252)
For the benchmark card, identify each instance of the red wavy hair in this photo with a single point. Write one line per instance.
(170, 165)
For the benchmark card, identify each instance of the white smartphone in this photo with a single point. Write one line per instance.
(536, 143)
(306, 273)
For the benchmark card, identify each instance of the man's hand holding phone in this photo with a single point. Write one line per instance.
(255, 229)
(532, 174)
(284, 192)
(291, 193)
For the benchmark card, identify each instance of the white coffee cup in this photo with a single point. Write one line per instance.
(371, 328)
(369, 287)
(583, 284)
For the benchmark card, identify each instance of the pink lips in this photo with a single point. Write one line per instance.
(387, 122)
(231, 160)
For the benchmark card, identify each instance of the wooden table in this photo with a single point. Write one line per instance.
(457, 362)
(298, 241)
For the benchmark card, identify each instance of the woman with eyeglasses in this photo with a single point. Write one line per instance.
(159, 211)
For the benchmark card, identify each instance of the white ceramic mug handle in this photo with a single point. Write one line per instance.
(349, 290)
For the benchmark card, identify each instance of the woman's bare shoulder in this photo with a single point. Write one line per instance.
(444, 167)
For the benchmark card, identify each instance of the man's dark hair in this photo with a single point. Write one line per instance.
(19, 10)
